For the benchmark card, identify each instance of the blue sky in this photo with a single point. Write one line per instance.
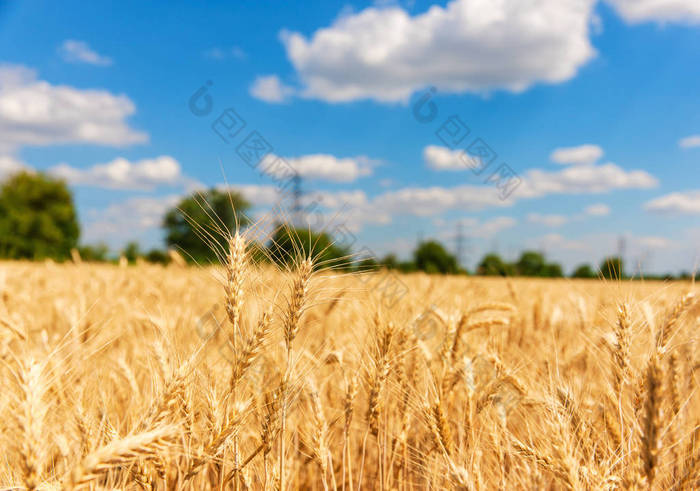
(593, 105)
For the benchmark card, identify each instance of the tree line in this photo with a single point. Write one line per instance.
(38, 220)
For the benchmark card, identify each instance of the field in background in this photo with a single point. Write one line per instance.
(135, 378)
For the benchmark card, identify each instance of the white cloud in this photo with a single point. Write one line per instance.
(319, 166)
(580, 155)
(687, 202)
(557, 241)
(468, 45)
(433, 200)
(258, 195)
(10, 165)
(597, 209)
(120, 173)
(547, 220)
(637, 11)
(652, 242)
(127, 219)
(583, 179)
(339, 199)
(270, 88)
(74, 51)
(34, 112)
(489, 228)
(442, 158)
(691, 141)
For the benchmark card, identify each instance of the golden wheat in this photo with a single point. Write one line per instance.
(248, 377)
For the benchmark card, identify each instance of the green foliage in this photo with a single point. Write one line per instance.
(132, 251)
(390, 261)
(407, 267)
(287, 244)
(431, 257)
(584, 271)
(552, 270)
(493, 265)
(94, 253)
(612, 268)
(531, 263)
(367, 264)
(193, 226)
(37, 218)
(157, 256)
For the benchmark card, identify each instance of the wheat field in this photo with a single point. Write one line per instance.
(254, 377)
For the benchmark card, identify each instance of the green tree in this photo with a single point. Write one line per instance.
(132, 251)
(431, 257)
(552, 270)
(531, 263)
(196, 223)
(367, 264)
(583, 271)
(37, 218)
(97, 252)
(612, 268)
(407, 267)
(390, 261)
(493, 265)
(157, 256)
(287, 244)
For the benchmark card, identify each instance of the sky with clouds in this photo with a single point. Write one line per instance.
(557, 125)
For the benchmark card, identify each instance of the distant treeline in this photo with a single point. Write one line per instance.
(38, 220)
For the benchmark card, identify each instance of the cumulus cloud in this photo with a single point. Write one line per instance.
(653, 242)
(661, 11)
(127, 219)
(580, 155)
(319, 166)
(433, 200)
(270, 88)
(597, 209)
(443, 158)
(488, 228)
(34, 112)
(258, 195)
(10, 165)
(689, 141)
(547, 220)
(121, 173)
(386, 54)
(687, 203)
(557, 241)
(583, 179)
(74, 51)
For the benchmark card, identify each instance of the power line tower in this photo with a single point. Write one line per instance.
(459, 239)
(621, 247)
(297, 195)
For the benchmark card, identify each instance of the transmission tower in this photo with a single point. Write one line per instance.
(459, 239)
(621, 247)
(297, 194)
